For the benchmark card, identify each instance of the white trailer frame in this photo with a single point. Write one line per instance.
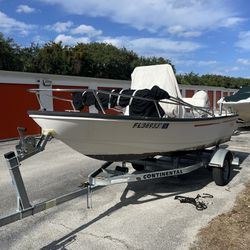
(218, 159)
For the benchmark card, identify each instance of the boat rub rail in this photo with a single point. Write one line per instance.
(124, 117)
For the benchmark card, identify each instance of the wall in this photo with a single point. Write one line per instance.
(15, 101)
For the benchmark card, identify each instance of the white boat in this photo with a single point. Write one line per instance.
(124, 137)
(238, 103)
(108, 137)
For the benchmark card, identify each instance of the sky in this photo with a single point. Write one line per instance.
(200, 36)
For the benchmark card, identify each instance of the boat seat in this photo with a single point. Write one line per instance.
(199, 99)
(163, 76)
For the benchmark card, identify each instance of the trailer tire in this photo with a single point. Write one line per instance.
(138, 167)
(221, 175)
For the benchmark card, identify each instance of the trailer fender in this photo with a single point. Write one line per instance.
(219, 157)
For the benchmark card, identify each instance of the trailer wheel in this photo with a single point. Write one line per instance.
(138, 167)
(221, 175)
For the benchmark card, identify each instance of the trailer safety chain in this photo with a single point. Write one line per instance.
(199, 204)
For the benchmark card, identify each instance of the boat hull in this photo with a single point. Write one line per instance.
(120, 138)
(241, 108)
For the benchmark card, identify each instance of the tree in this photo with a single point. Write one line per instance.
(101, 60)
(53, 58)
(144, 61)
(212, 80)
(28, 58)
(9, 54)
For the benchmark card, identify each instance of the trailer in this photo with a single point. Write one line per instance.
(218, 160)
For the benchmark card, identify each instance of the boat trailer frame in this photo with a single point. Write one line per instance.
(214, 159)
(30, 145)
(121, 175)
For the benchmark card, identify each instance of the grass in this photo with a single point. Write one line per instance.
(229, 230)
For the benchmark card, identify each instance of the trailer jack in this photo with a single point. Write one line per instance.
(27, 147)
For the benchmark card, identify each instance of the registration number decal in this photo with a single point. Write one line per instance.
(154, 125)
